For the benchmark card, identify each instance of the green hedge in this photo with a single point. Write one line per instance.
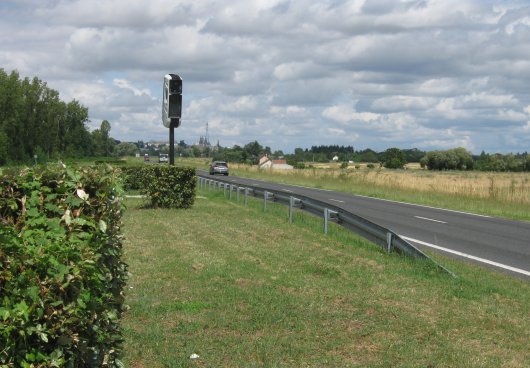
(61, 273)
(164, 186)
(132, 177)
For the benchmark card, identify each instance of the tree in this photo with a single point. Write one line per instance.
(126, 149)
(105, 130)
(394, 158)
(36, 121)
(4, 148)
(453, 159)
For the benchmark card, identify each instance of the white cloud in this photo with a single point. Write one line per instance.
(125, 84)
(287, 73)
(345, 113)
(403, 103)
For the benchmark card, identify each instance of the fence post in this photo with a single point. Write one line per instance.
(265, 193)
(237, 188)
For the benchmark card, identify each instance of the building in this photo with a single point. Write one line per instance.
(266, 163)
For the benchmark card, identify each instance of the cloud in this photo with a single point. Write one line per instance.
(430, 74)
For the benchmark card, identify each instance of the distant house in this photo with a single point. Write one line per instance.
(266, 163)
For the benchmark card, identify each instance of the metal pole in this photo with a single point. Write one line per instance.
(171, 144)
(291, 200)
(326, 214)
(246, 196)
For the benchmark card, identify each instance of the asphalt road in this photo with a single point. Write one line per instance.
(492, 242)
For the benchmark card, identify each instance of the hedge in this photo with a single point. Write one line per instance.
(164, 186)
(61, 273)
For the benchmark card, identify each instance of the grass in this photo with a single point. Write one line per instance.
(243, 288)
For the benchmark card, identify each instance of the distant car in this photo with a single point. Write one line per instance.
(219, 167)
(163, 157)
(146, 158)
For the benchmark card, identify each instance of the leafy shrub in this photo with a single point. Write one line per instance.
(370, 166)
(299, 165)
(394, 158)
(132, 177)
(61, 273)
(111, 161)
(168, 186)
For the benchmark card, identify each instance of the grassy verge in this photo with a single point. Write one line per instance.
(243, 288)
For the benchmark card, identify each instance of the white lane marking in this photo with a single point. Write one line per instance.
(336, 200)
(429, 219)
(487, 261)
(287, 190)
(424, 206)
(301, 186)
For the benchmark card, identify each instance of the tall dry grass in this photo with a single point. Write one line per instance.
(503, 187)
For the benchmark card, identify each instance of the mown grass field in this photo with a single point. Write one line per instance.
(243, 288)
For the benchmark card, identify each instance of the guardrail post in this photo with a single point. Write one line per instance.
(292, 203)
(265, 193)
(388, 242)
(291, 200)
(327, 216)
(230, 189)
(246, 196)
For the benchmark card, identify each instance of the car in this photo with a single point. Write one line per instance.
(163, 157)
(146, 158)
(219, 167)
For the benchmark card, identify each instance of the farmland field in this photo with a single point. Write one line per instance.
(496, 194)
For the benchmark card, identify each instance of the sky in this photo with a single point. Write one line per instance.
(430, 74)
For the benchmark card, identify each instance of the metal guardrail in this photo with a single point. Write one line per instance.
(379, 235)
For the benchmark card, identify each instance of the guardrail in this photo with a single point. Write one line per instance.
(379, 235)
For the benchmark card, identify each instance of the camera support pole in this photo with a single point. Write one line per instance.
(172, 142)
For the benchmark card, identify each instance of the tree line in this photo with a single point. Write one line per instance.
(393, 158)
(36, 123)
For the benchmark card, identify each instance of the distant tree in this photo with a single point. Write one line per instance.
(126, 149)
(414, 155)
(252, 151)
(4, 148)
(394, 158)
(453, 159)
(367, 155)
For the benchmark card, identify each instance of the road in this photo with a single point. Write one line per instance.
(493, 242)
